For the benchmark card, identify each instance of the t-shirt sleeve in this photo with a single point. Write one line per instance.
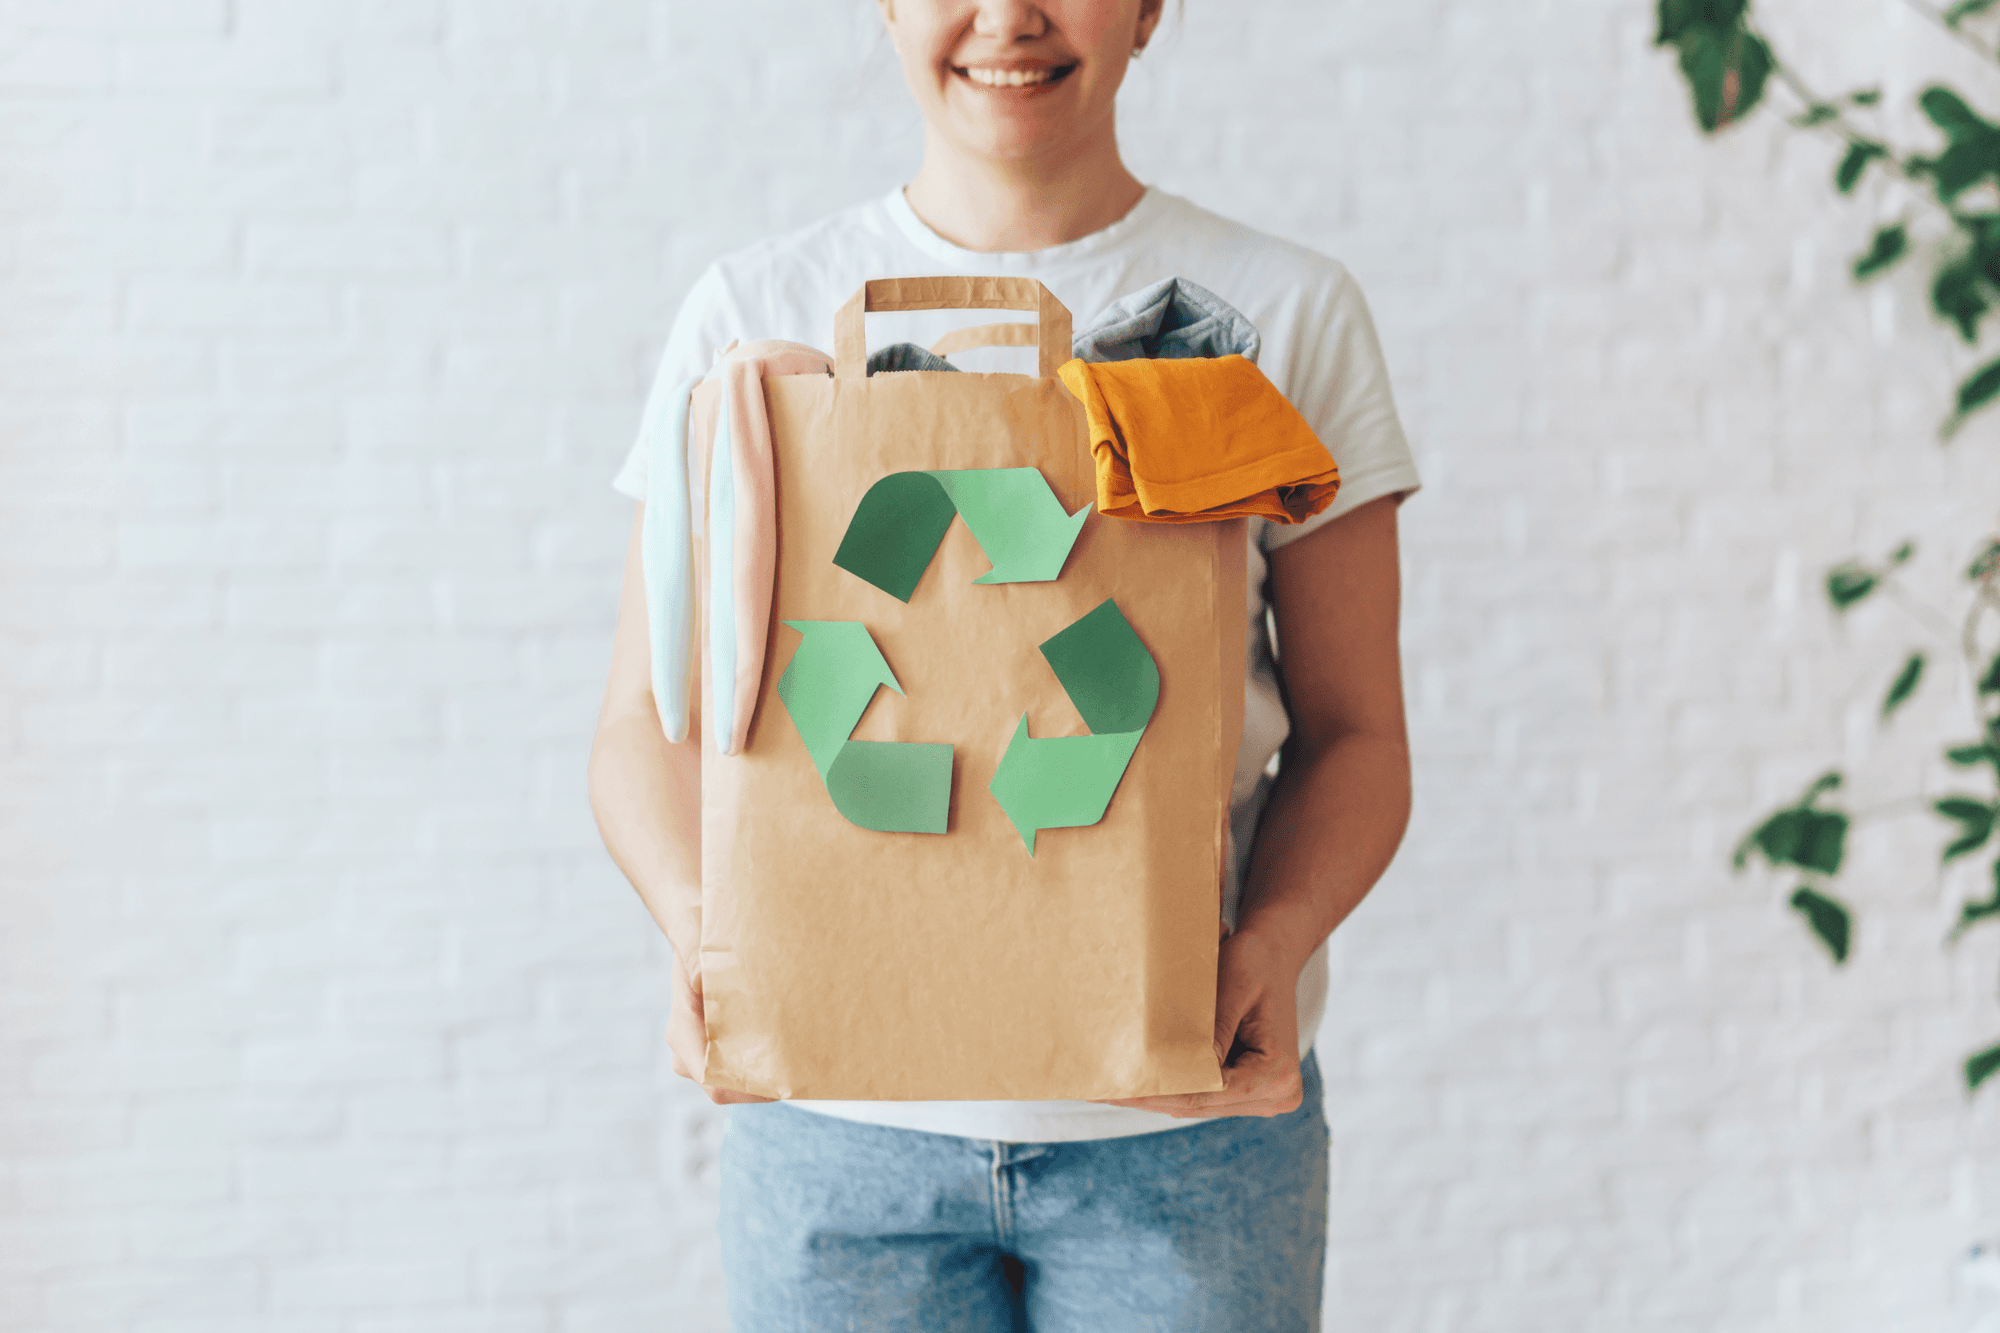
(1340, 384)
(707, 320)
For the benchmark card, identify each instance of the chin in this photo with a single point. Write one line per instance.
(1015, 138)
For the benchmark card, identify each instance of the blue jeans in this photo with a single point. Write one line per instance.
(830, 1224)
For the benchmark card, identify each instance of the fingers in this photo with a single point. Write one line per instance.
(1261, 1085)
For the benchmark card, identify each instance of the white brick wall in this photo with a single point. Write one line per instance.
(323, 324)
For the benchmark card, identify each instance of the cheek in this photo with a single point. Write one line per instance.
(1099, 29)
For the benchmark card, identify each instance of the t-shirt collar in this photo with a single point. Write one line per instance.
(913, 228)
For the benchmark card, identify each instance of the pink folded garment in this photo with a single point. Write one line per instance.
(740, 604)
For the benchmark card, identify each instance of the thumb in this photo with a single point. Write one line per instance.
(1232, 1003)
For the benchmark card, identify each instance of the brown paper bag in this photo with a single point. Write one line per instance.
(840, 962)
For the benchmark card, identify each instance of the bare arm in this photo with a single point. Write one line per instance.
(1342, 799)
(646, 794)
(1337, 810)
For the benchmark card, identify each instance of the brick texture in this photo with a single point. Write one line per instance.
(323, 324)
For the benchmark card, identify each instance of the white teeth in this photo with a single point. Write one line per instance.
(1009, 78)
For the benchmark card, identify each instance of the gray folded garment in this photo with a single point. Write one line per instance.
(1170, 320)
(906, 356)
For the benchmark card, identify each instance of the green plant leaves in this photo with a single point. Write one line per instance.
(1829, 919)
(1971, 914)
(1891, 243)
(1949, 112)
(1726, 65)
(1850, 580)
(1849, 583)
(1860, 152)
(1972, 149)
(1904, 685)
(1957, 295)
(1809, 839)
(1679, 18)
(1801, 835)
(1978, 389)
(1975, 824)
(1981, 1067)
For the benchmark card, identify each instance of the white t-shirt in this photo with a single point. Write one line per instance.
(1319, 348)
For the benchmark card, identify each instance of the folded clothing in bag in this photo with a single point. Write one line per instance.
(1196, 440)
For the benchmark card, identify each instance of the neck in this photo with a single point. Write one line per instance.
(982, 204)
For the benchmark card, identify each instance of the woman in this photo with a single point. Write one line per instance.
(1192, 1212)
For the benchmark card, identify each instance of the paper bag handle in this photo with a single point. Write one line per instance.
(1013, 334)
(850, 339)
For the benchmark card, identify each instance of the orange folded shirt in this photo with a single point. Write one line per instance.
(1199, 439)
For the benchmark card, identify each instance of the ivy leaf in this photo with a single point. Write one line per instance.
(1981, 1067)
(1966, 9)
(1949, 113)
(1829, 919)
(1860, 153)
(1990, 682)
(1971, 756)
(1977, 390)
(1800, 835)
(1956, 296)
(1961, 166)
(1904, 685)
(1974, 820)
(1678, 18)
(1865, 97)
(1849, 583)
(1985, 563)
(1815, 115)
(1726, 68)
(1890, 244)
(1971, 914)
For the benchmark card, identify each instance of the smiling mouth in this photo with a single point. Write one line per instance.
(1013, 78)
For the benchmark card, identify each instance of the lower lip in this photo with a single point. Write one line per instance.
(1022, 90)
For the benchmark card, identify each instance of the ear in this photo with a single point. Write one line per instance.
(1150, 12)
(887, 9)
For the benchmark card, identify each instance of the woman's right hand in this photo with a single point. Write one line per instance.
(646, 794)
(687, 1037)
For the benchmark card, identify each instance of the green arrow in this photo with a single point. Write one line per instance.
(888, 786)
(1068, 781)
(1060, 782)
(1013, 515)
(1016, 519)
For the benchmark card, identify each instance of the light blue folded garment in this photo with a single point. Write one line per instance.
(722, 579)
(666, 558)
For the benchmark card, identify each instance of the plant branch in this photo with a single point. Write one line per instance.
(1839, 125)
(1908, 805)
(1950, 29)
(1933, 619)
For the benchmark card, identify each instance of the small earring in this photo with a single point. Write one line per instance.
(1138, 51)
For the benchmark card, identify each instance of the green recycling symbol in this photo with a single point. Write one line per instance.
(905, 786)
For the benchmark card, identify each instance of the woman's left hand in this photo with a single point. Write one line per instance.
(1256, 1037)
